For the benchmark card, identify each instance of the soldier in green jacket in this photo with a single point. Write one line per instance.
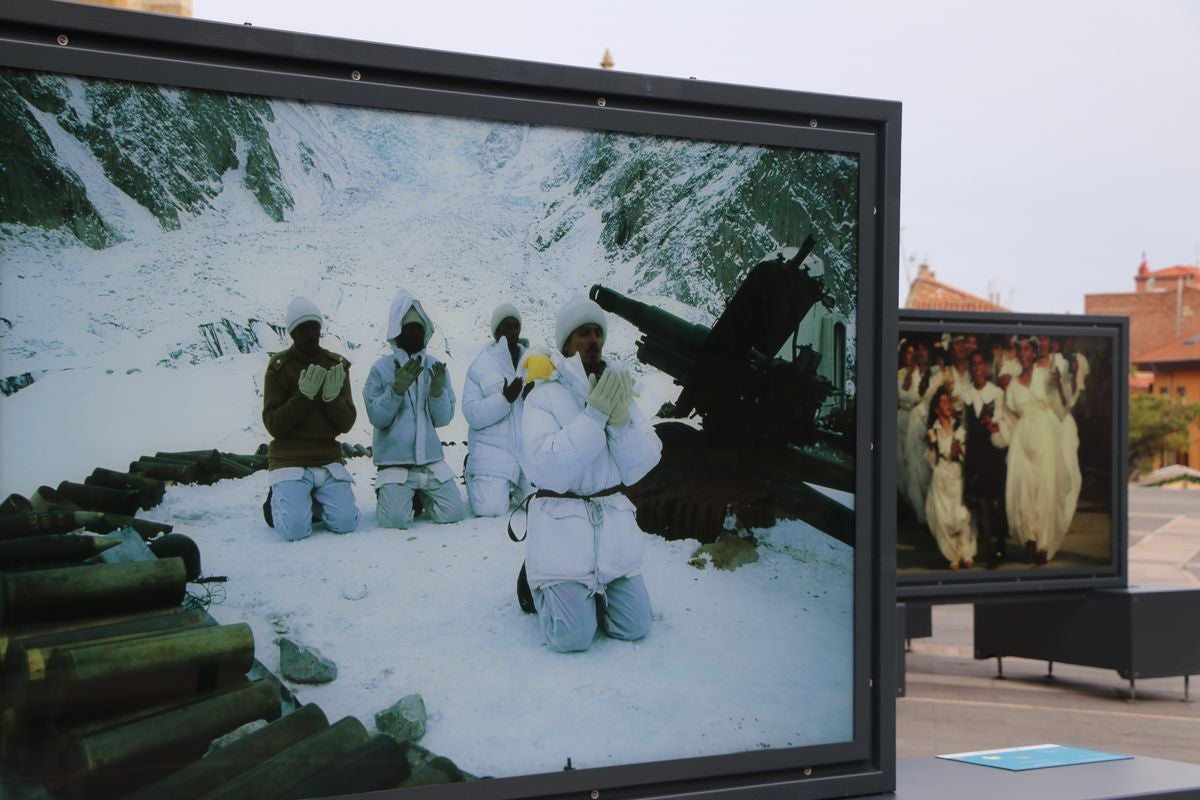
(306, 405)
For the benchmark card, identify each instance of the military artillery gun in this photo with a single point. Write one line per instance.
(760, 442)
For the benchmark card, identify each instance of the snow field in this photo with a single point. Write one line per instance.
(759, 657)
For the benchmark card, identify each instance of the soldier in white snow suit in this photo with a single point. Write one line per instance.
(306, 405)
(408, 397)
(584, 439)
(492, 404)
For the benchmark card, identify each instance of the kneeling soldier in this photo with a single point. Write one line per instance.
(408, 397)
(306, 405)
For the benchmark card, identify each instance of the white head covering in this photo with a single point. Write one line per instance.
(575, 312)
(503, 312)
(301, 310)
(403, 305)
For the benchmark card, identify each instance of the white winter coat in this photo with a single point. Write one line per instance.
(567, 447)
(494, 438)
(405, 425)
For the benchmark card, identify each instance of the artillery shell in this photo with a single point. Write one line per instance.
(271, 779)
(99, 498)
(238, 758)
(94, 590)
(378, 764)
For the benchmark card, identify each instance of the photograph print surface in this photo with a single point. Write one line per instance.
(151, 239)
(1005, 451)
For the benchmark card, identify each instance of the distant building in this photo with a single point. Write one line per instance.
(928, 292)
(1174, 371)
(1163, 308)
(1141, 382)
(179, 8)
(1164, 338)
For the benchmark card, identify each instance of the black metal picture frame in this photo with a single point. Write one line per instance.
(922, 572)
(92, 42)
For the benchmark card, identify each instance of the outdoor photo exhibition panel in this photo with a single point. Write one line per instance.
(170, 185)
(1011, 452)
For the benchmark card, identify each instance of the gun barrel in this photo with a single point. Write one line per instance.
(668, 342)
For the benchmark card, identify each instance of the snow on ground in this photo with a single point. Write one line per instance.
(735, 661)
(760, 657)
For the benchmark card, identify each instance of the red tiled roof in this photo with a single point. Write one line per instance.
(928, 292)
(1141, 381)
(1177, 271)
(1185, 349)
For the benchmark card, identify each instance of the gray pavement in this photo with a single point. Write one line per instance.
(955, 703)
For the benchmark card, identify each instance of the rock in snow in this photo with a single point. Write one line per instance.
(301, 664)
(404, 721)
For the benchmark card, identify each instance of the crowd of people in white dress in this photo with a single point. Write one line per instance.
(987, 443)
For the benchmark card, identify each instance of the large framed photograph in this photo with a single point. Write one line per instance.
(1011, 452)
(216, 237)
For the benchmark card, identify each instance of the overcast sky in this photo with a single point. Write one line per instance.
(1046, 145)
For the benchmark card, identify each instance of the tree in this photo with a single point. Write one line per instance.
(1157, 423)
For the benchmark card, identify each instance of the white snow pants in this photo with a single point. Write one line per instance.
(292, 509)
(567, 612)
(443, 501)
(493, 497)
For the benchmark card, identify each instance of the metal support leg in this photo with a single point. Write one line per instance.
(1000, 667)
(1050, 670)
(1186, 698)
(1132, 689)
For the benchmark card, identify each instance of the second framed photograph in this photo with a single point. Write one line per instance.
(1010, 452)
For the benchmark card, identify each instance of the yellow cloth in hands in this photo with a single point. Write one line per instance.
(538, 367)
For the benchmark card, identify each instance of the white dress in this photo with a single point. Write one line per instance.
(917, 472)
(906, 399)
(1038, 475)
(1069, 436)
(949, 520)
(958, 383)
(1009, 367)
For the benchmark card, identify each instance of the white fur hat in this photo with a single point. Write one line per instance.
(301, 310)
(575, 312)
(503, 312)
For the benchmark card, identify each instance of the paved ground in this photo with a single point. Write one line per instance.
(955, 703)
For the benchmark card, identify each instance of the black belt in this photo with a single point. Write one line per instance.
(524, 504)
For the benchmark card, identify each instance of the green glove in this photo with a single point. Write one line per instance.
(620, 414)
(604, 395)
(311, 378)
(334, 380)
(437, 379)
(405, 376)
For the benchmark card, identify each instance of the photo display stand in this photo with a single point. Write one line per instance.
(1047, 581)
(170, 184)
(1017, 485)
